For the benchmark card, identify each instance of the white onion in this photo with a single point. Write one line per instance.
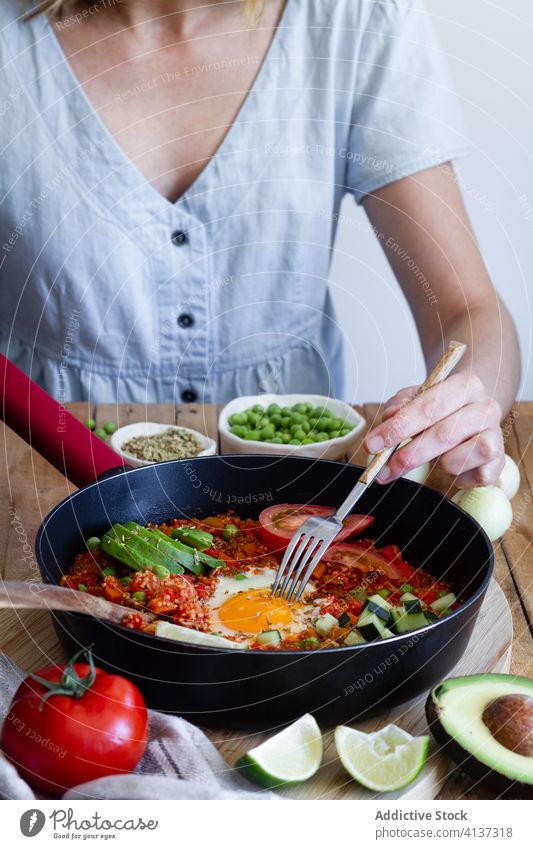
(417, 475)
(489, 506)
(509, 480)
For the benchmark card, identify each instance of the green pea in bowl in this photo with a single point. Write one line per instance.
(299, 425)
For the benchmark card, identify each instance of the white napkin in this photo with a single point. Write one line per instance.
(179, 762)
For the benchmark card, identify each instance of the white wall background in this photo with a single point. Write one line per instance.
(489, 48)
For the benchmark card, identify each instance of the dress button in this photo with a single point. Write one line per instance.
(188, 396)
(179, 238)
(185, 320)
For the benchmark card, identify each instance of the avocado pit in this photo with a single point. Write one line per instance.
(509, 719)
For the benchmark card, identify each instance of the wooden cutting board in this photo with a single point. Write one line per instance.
(489, 650)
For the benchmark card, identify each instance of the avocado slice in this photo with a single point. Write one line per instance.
(485, 724)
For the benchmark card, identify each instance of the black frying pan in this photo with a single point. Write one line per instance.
(254, 688)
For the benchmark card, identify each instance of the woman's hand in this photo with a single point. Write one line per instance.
(461, 425)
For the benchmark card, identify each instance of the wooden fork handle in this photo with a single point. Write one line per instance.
(440, 372)
(443, 367)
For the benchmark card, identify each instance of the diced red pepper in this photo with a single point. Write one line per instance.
(215, 524)
(355, 606)
(319, 570)
(145, 582)
(333, 608)
(251, 549)
(163, 602)
(113, 589)
(133, 620)
(428, 597)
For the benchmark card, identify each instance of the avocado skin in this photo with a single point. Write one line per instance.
(467, 763)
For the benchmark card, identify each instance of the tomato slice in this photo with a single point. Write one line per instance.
(393, 555)
(278, 523)
(363, 557)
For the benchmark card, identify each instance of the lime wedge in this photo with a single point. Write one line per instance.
(384, 760)
(289, 757)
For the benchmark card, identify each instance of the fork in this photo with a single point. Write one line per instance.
(310, 542)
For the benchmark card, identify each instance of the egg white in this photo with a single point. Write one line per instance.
(228, 587)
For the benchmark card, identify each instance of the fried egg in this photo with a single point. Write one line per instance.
(245, 607)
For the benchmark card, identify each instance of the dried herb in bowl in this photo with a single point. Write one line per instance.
(175, 443)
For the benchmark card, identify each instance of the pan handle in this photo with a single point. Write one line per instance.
(51, 430)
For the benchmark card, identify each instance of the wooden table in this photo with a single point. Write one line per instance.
(32, 487)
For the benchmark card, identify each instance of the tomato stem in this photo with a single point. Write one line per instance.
(70, 683)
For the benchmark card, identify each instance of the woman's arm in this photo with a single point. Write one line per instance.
(423, 227)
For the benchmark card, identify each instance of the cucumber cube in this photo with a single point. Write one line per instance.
(403, 621)
(443, 603)
(269, 638)
(415, 621)
(325, 623)
(354, 638)
(399, 620)
(370, 625)
(380, 606)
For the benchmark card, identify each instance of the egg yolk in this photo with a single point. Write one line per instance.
(255, 611)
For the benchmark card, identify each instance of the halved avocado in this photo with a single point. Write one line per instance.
(485, 724)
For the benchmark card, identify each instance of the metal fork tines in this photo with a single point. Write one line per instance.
(303, 554)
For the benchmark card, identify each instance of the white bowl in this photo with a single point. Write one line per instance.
(330, 449)
(124, 434)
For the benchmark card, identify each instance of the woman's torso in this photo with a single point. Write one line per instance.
(169, 88)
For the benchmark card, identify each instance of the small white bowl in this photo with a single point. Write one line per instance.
(124, 434)
(330, 449)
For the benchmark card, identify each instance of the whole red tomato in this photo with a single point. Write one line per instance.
(74, 723)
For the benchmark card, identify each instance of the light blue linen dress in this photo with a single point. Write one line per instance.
(109, 292)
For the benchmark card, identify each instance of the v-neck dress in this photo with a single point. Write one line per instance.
(111, 293)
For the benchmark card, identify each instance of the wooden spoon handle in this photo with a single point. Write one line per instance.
(35, 596)
(440, 372)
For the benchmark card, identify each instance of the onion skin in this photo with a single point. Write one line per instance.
(418, 475)
(509, 480)
(489, 506)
